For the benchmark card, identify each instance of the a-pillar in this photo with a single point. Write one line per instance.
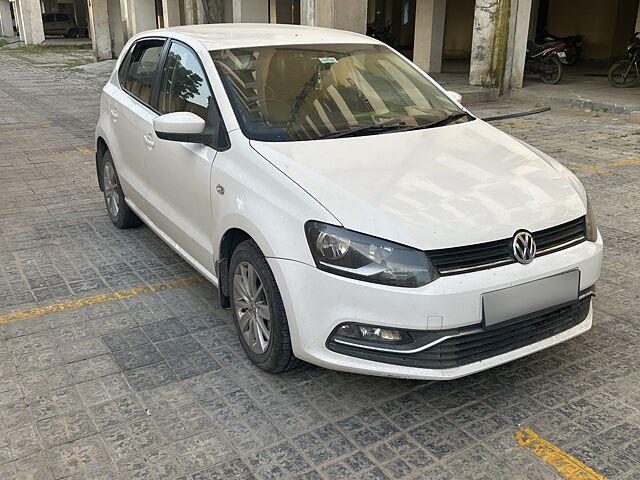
(99, 29)
(429, 34)
(498, 47)
(170, 13)
(351, 15)
(6, 24)
(31, 29)
(250, 11)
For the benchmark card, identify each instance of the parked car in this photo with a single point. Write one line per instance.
(351, 212)
(59, 24)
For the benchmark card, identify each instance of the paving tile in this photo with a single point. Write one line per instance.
(203, 450)
(78, 457)
(278, 461)
(130, 439)
(157, 464)
(150, 376)
(183, 423)
(65, 428)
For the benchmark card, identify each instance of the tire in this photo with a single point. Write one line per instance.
(119, 212)
(254, 297)
(551, 70)
(71, 33)
(617, 73)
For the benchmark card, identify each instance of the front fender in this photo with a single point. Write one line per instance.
(263, 202)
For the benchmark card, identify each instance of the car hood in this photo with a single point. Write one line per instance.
(443, 187)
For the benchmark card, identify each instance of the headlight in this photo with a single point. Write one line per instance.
(592, 228)
(351, 254)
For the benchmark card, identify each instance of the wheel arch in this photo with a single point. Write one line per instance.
(101, 149)
(228, 243)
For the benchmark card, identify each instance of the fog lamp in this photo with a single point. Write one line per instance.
(368, 333)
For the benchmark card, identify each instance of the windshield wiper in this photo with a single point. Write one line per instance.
(442, 121)
(398, 127)
(378, 128)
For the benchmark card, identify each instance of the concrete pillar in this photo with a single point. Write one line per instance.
(429, 34)
(344, 15)
(142, 15)
(31, 29)
(6, 24)
(116, 27)
(638, 20)
(190, 11)
(170, 13)
(18, 18)
(250, 11)
(99, 28)
(489, 44)
(521, 20)
(308, 12)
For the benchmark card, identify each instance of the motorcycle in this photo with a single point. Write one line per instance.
(626, 73)
(573, 43)
(546, 61)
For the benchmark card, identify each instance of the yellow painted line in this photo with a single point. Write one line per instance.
(46, 124)
(595, 168)
(541, 122)
(86, 151)
(106, 297)
(568, 466)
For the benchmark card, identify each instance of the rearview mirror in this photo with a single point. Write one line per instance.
(180, 127)
(455, 96)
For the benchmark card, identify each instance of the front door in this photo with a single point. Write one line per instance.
(179, 193)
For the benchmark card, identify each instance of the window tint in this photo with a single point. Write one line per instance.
(48, 18)
(61, 17)
(144, 60)
(183, 87)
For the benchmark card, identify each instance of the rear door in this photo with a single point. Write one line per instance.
(130, 111)
(49, 24)
(179, 194)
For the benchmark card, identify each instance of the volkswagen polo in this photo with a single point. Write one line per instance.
(349, 210)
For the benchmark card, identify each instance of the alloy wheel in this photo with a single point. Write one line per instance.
(111, 189)
(252, 307)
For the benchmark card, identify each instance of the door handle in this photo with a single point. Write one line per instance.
(114, 114)
(148, 139)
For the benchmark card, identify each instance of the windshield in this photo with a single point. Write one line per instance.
(306, 92)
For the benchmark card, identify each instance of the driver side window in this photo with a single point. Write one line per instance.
(183, 87)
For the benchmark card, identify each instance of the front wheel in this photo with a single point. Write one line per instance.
(72, 33)
(551, 70)
(258, 311)
(624, 74)
(119, 212)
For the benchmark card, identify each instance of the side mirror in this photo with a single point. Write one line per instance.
(181, 127)
(455, 96)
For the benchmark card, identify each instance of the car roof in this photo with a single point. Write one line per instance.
(235, 35)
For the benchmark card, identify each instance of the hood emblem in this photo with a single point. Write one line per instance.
(524, 247)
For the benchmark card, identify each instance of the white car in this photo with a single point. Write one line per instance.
(350, 211)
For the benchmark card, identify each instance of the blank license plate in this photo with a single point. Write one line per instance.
(513, 302)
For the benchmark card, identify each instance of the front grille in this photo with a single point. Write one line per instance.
(484, 343)
(470, 258)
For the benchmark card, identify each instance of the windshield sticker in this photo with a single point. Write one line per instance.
(328, 59)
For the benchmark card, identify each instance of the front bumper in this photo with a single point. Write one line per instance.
(316, 302)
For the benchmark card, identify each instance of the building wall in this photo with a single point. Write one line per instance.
(458, 29)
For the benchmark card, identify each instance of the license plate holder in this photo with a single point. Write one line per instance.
(513, 302)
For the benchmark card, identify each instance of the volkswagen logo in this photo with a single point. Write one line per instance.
(524, 247)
